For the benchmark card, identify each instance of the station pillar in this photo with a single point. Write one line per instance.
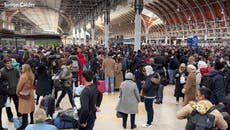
(74, 35)
(93, 31)
(84, 28)
(78, 36)
(138, 6)
(107, 22)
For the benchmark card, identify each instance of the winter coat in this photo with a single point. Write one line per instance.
(43, 84)
(179, 86)
(12, 76)
(219, 88)
(129, 98)
(202, 107)
(190, 88)
(118, 75)
(151, 85)
(108, 66)
(25, 106)
(3, 89)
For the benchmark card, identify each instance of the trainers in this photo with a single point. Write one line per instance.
(177, 103)
(147, 125)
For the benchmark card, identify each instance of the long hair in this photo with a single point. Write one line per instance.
(28, 72)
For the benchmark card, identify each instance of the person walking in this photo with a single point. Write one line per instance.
(25, 85)
(66, 76)
(3, 97)
(129, 99)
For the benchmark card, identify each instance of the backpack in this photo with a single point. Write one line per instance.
(207, 81)
(76, 63)
(196, 121)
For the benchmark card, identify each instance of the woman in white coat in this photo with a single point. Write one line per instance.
(129, 99)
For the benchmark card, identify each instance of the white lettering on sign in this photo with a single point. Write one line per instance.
(18, 5)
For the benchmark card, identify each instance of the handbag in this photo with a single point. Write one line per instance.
(119, 114)
(24, 94)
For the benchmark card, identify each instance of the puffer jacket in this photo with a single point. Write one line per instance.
(151, 85)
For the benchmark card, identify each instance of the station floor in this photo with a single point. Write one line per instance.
(164, 114)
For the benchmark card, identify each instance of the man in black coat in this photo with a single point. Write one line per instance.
(3, 97)
(11, 74)
(90, 101)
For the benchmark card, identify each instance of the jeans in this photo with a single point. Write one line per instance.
(8, 109)
(109, 79)
(149, 108)
(69, 91)
(171, 76)
(160, 93)
(90, 124)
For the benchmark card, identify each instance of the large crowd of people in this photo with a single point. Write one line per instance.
(144, 72)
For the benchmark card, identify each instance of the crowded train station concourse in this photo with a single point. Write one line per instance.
(115, 64)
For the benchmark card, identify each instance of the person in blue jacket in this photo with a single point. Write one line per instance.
(40, 124)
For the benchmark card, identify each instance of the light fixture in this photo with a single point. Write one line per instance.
(222, 11)
(79, 12)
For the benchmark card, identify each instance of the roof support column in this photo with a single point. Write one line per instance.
(74, 35)
(138, 9)
(84, 29)
(107, 23)
(93, 30)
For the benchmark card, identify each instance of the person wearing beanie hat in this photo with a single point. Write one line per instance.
(218, 86)
(129, 99)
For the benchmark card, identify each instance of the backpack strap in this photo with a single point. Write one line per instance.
(211, 109)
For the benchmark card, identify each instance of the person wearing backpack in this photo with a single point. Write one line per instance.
(217, 85)
(75, 67)
(202, 115)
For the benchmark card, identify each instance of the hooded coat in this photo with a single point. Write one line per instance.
(190, 88)
(202, 107)
(219, 88)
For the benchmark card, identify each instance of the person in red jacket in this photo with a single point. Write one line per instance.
(83, 62)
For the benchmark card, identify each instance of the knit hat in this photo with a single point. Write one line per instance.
(219, 65)
(129, 75)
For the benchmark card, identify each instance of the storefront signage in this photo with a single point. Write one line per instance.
(18, 5)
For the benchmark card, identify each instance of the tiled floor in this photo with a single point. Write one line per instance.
(164, 114)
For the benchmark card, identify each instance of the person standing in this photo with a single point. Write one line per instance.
(12, 75)
(180, 76)
(3, 96)
(82, 64)
(218, 84)
(150, 89)
(129, 99)
(118, 73)
(108, 67)
(189, 89)
(26, 106)
(90, 102)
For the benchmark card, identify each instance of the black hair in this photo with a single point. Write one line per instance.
(88, 75)
(206, 92)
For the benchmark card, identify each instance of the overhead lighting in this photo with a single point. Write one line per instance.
(222, 11)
